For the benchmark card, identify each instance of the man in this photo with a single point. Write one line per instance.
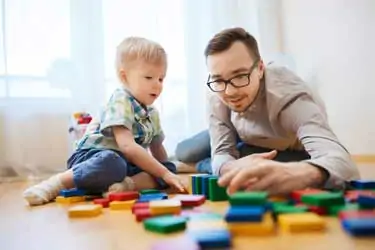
(287, 143)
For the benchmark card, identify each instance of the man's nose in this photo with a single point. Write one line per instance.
(230, 90)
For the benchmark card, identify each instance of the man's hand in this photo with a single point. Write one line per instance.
(175, 182)
(273, 177)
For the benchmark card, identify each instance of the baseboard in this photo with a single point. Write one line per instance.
(364, 158)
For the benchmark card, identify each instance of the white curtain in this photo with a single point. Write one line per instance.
(57, 57)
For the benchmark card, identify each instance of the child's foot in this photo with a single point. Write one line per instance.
(43, 192)
(126, 185)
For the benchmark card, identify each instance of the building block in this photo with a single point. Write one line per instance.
(356, 214)
(72, 192)
(165, 224)
(165, 207)
(212, 238)
(244, 213)
(140, 205)
(352, 195)
(363, 184)
(359, 226)
(180, 243)
(248, 198)
(197, 184)
(216, 193)
(190, 185)
(104, 202)
(92, 197)
(90, 210)
(152, 197)
(301, 222)
(324, 199)
(69, 200)
(335, 210)
(190, 200)
(265, 227)
(318, 210)
(297, 194)
(121, 205)
(142, 214)
(205, 186)
(288, 209)
(366, 201)
(149, 191)
(278, 199)
(123, 196)
(202, 216)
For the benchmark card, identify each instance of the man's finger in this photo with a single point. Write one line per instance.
(225, 179)
(267, 155)
(244, 175)
(264, 184)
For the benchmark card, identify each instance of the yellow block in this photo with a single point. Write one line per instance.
(121, 205)
(301, 222)
(190, 184)
(206, 225)
(165, 207)
(89, 210)
(277, 198)
(69, 200)
(265, 227)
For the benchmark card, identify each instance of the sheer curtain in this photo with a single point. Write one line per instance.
(57, 57)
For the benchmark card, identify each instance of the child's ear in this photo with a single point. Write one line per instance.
(122, 75)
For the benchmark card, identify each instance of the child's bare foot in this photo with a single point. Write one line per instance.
(126, 185)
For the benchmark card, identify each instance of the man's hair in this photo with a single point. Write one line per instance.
(225, 38)
(132, 49)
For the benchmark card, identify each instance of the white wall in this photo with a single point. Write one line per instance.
(333, 45)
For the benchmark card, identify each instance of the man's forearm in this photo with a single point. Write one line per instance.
(314, 176)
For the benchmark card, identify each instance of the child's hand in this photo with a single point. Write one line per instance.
(175, 181)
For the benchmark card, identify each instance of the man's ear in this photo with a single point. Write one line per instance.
(261, 68)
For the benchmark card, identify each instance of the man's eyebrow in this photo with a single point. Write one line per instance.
(233, 72)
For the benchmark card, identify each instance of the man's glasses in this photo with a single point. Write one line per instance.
(237, 81)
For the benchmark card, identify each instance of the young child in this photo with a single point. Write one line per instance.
(112, 155)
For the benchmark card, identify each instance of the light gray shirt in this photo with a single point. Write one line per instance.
(285, 115)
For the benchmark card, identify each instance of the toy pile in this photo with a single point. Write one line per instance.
(248, 213)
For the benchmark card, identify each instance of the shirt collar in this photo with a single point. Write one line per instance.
(140, 111)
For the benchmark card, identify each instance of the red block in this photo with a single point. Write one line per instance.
(356, 214)
(124, 196)
(318, 210)
(141, 205)
(142, 214)
(104, 202)
(297, 195)
(352, 195)
(190, 200)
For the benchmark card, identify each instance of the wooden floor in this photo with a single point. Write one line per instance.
(48, 227)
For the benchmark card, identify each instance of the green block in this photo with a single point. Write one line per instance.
(279, 203)
(335, 210)
(248, 198)
(324, 199)
(150, 191)
(216, 193)
(165, 224)
(198, 184)
(289, 209)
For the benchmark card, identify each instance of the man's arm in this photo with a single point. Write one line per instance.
(222, 135)
(304, 118)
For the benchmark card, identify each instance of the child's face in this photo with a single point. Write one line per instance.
(145, 81)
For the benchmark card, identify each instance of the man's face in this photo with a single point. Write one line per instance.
(235, 63)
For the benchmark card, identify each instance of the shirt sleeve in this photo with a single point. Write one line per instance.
(117, 112)
(159, 136)
(304, 118)
(222, 134)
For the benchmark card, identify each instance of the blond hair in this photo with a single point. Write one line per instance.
(132, 49)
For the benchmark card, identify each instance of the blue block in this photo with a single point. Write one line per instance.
(245, 214)
(359, 226)
(152, 197)
(366, 201)
(363, 184)
(205, 189)
(193, 180)
(72, 192)
(211, 238)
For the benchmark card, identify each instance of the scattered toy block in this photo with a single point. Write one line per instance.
(92, 197)
(297, 194)
(72, 192)
(355, 214)
(244, 214)
(180, 243)
(335, 210)
(197, 183)
(121, 205)
(289, 209)
(104, 202)
(324, 199)
(140, 205)
(203, 216)
(89, 210)
(165, 207)
(248, 198)
(301, 222)
(363, 184)
(190, 200)
(318, 210)
(190, 185)
(205, 186)
(152, 197)
(263, 228)
(142, 214)
(366, 201)
(150, 191)
(212, 238)
(123, 196)
(165, 224)
(216, 193)
(359, 226)
(69, 200)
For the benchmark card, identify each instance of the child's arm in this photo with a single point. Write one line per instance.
(140, 157)
(159, 152)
